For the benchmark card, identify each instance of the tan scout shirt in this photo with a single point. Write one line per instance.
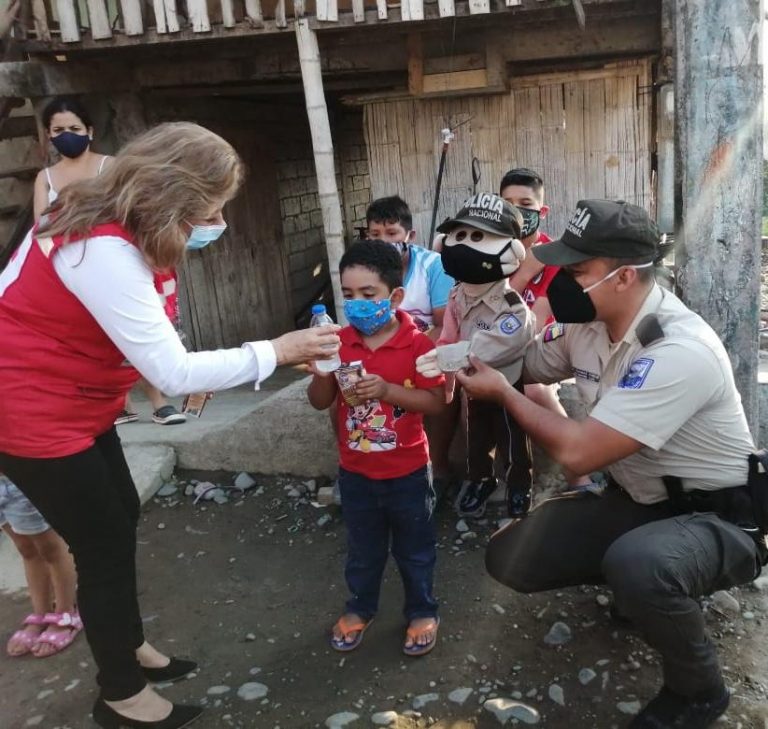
(677, 396)
(497, 324)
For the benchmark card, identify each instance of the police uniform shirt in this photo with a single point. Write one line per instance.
(497, 324)
(676, 396)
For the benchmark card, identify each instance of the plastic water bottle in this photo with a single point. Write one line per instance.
(320, 318)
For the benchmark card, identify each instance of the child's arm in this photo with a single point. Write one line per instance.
(322, 391)
(414, 400)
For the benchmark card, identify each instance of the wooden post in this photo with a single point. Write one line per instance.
(68, 25)
(719, 99)
(132, 21)
(322, 146)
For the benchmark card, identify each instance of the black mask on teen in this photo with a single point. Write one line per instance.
(531, 221)
(569, 303)
(468, 265)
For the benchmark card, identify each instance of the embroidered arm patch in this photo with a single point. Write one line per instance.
(636, 374)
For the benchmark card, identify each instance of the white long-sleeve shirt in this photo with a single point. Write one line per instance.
(112, 280)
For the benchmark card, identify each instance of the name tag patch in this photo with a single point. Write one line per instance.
(510, 325)
(586, 375)
(480, 324)
(636, 374)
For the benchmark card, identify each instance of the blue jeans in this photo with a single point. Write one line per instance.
(375, 511)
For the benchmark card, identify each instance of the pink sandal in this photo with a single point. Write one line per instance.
(63, 638)
(28, 640)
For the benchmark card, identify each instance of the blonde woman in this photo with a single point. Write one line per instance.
(77, 303)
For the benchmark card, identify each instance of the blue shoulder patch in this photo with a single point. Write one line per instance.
(636, 374)
(510, 325)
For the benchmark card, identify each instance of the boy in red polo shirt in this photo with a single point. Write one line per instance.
(384, 474)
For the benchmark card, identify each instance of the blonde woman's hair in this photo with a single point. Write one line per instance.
(166, 176)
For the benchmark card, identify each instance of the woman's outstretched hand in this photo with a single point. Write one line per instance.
(305, 345)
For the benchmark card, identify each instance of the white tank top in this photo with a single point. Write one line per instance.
(53, 194)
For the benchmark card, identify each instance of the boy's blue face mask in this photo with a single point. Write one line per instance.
(203, 235)
(367, 316)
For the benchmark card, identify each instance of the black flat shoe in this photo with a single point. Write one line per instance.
(179, 717)
(174, 671)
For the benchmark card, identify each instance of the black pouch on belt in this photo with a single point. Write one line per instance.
(757, 484)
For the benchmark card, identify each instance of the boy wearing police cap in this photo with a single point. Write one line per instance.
(481, 248)
(666, 422)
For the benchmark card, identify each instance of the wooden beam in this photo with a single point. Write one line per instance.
(381, 9)
(280, 18)
(415, 64)
(322, 146)
(100, 25)
(581, 17)
(719, 99)
(358, 10)
(40, 17)
(327, 10)
(132, 20)
(68, 25)
(198, 15)
(228, 14)
(479, 7)
(254, 12)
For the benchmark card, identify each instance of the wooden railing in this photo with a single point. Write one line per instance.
(73, 21)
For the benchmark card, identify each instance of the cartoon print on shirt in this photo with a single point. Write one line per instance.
(365, 425)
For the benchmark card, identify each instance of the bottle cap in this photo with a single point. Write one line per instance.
(318, 309)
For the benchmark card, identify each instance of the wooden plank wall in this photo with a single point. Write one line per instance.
(587, 133)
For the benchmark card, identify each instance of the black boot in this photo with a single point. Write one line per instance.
(670, 710)
(179, 717)
(174, 671)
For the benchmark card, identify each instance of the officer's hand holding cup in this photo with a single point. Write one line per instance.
(305, 345)
(483, 382)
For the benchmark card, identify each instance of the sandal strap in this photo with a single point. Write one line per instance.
(64, 620)
(418, 632)
(34, 619)
(347, 626)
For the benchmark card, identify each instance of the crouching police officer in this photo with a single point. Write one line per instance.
(666, 421)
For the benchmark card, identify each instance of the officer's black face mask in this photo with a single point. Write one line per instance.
(568, 301)
(470, 266)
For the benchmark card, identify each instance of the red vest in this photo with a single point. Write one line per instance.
(62, 380)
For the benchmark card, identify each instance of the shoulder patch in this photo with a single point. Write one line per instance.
(636, 374)
(512, 298)
(553, 331)
(510, 325)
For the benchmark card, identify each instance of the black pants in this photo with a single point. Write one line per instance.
(490, 426)
(89, 498)
(655, 563)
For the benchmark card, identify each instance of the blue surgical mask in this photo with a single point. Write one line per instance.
(203, 235)
(368, 316)
(70, 144)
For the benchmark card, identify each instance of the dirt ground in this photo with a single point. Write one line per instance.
(249, 588)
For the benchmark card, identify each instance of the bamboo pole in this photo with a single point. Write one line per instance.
(719, 99)
(322, 146)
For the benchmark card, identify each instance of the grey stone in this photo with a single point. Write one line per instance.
(35, 720)
(459, 695)
(748, 615)
(151, 466)
(244, 481)
(726, 603)
(342, 719)
(218, 690)
(252, 690)
(629, 707)
(559, 634)
(419, 702)
(500, 610)
(220, 498)
(384, 718)
(586, 675)
(603, 600)
(323, 520)
(506, 709)
(468, 536)
(168, 489)
(461, 526)
(189, 489)
(557, 694)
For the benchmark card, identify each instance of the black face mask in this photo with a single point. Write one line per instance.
(569, 303)
(471, 266)
(531, 221)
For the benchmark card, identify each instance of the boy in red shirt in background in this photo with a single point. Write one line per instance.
(524, 188)
(384, 475)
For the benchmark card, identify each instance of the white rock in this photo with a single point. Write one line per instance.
(468, 536)
(559, 634)
(748, 615)
(168, 489)
(244, 481)
(459, 695)
(461, 526)
(500, 610)
(629, 707)
(761, 583)
(293, 493)
(34, 720)
(161, 525)
(419, 702)
(323, 520)
(384, 718)
(726, 603)
(218, 690)
(506, 709)
(586, 675)
(342, 719)
(557, 694)
(72, 684)
(44, 694)
(252, 690)
(603, 600)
